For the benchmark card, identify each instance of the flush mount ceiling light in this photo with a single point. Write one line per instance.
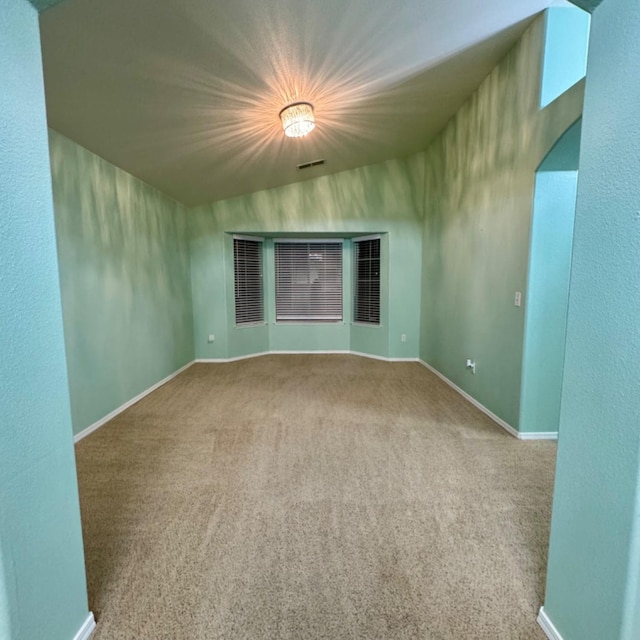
(297, 119)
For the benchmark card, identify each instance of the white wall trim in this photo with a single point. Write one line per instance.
(538, 435)
(547, 626)
(385, 358)
(505, 425)
(307, 353)
(86, 629)
(531, 435)
(316, 352)
(96, 425)
(235, 359)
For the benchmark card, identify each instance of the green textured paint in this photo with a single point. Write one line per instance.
(478, 204)
(565, 51)
(593, 589)
(42, 580)
(125, 277)
(547, 300)
(385, 198)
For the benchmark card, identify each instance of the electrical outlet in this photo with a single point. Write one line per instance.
(471, 365)
(403, 337)
(517, 300)
(211, 337)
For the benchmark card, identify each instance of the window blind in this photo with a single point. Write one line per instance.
(366, 290)
(308, 281)
(247, 267)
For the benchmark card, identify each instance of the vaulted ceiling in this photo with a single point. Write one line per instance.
(185, 94)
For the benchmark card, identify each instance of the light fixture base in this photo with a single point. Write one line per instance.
(297, 119)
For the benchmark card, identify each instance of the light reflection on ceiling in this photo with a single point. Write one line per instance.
(185, 94)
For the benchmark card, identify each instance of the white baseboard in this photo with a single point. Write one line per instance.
(547, 626)
(86, 629)
(534, 435)
(505, 425)
(538, 435)
(96, 425)
(384, 358)
(316, 352)
(235, 359)
(310, 353)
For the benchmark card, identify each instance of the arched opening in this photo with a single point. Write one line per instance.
(548, 284)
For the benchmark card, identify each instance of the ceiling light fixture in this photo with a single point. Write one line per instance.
(297, 119)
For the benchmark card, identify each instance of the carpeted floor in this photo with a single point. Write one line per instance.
(313, 497)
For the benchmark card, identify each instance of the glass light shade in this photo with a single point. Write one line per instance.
(297, 119)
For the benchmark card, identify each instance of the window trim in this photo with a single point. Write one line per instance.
(355, 241)
(251, 323)
(300, 319)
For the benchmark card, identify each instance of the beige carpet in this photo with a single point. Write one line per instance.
(313, 497)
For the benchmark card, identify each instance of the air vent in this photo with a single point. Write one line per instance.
(308, 165)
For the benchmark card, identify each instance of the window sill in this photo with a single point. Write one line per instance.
(306, 323)
(250, 325)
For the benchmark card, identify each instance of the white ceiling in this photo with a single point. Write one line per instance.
(185, 94)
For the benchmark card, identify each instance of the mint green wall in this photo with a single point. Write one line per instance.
(565, 51)
(594, 556)
(478, 204)
(385, 198)
(124, 271)
(547, 300)
(42, 581)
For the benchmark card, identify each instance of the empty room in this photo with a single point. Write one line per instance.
(319, 320)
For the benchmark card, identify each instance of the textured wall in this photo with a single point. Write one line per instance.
(42, 582)
(547, 300)
(478, 204)
(594, 557)
(380, 198)
(124, 271)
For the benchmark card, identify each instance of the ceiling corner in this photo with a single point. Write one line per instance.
(587, 5)
(42, 5)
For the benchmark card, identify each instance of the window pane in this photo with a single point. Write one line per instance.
(367, 281)
(247, 264)
(309, 281)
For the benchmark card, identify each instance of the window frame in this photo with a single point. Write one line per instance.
(357, 280)
(335, 272)
(253, 322)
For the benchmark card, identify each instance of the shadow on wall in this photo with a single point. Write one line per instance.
(479, 182)
(124, 269)
(385, 198)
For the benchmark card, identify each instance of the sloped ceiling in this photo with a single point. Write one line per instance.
(185, 94)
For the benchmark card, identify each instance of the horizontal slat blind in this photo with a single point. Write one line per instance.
(247, 266)
(366, 296)
(309, 281)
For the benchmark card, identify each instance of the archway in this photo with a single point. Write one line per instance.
(548, 284)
